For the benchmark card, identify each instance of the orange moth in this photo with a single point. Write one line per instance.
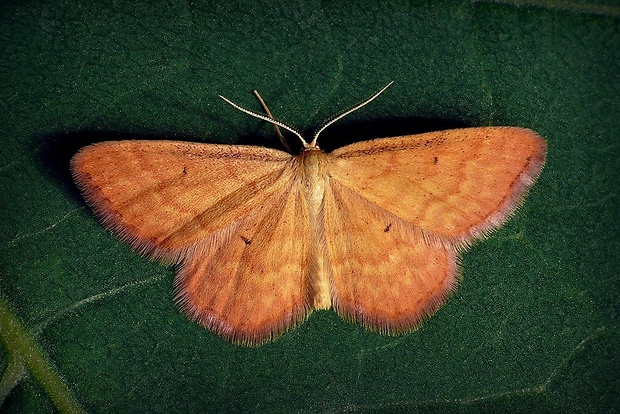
(261, 237)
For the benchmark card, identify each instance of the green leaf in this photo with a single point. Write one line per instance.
(533, 326)
(25, 354)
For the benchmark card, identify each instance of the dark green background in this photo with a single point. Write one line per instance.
(534, 324)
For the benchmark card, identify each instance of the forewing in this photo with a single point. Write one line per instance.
(383, 273)
(163, 197)
(250, 281)
(454, 185)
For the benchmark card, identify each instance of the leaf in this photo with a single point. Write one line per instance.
(534, 323)
(25, 354)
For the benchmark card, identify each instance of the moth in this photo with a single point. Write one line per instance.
(261, 237)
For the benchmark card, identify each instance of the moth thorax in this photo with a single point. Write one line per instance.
(313, 162)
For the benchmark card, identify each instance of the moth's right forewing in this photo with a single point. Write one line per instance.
(455, 185)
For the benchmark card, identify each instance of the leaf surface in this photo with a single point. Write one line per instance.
(534, 323)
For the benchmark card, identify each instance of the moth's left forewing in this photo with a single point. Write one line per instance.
(163, 197)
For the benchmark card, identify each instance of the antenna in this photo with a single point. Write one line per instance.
(268, 112)
(347, 112)
(313, 143)
(265, 118)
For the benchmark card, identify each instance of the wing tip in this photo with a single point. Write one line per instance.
(111, 219)
(515, 200)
